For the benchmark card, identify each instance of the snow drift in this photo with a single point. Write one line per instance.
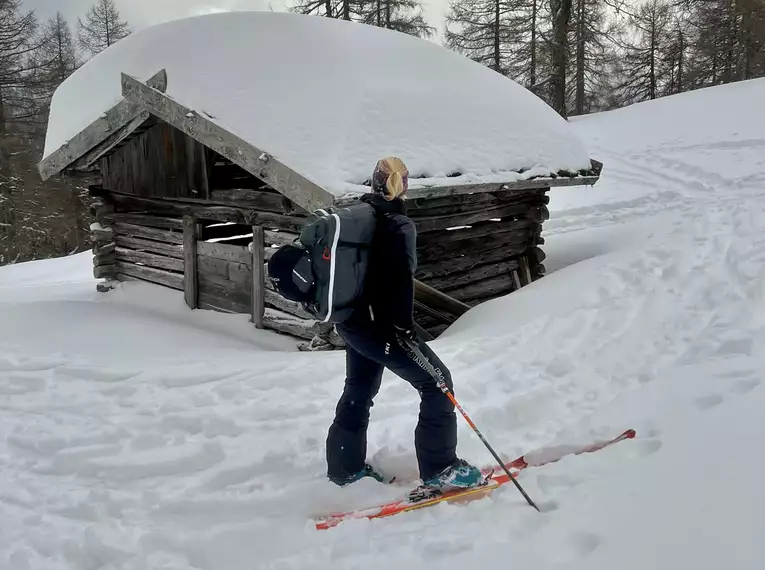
(208, 452)
(329, 98)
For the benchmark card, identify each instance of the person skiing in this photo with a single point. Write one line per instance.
(376, 334)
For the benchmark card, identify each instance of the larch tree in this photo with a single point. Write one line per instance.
(645, 54)
(505, 35)
(560, 12)
(102, 27)
(17, 43)
(401, 15)
(591, 54)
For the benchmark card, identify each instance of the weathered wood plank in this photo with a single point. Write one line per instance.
(148, 220)
(475, 204)
(255, 199)
(157, 247)
(431, 297)
(434, 223)
(104, 271)
(98, 131)
(112, 141)
(479, 230)
(439, 191)
(420, 206)
(149, 259)
(160, 162)
(273, 299)
(201, 210)
(459, 279)
(105, 249)
(470, 246)
(238, 272)
(428, 271)
(437, 316)
(279, 238)
(221, 304)
(482, 290)
(225, 251)
(258, 277)
(236, 297)
(150, 274)
(190, 288)
(105, 259)
(103, 236)
(255, 161)
(525, 271)
(292, 326)
(165, 236)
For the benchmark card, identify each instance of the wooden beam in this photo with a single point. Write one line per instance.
(275, 300)
(257, 162)
(98, 131)
(157, 247)
(545, 182)
(164, 236)
(258, 277)
(203, 210)
(279, 238)
(130, 271)
(438, 300)
(112, 141)
(149, 259)
(190, 286)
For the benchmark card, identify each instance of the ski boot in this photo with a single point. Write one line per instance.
(458, 476)
(367, 471)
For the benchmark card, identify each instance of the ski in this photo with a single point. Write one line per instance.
(491, 482)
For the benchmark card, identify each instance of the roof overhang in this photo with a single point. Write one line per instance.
(101, 136)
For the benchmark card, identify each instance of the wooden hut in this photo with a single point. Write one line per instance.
(189, 198)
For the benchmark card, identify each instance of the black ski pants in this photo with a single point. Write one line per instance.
(368, 351)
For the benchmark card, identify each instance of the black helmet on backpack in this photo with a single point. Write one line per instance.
(290, 271)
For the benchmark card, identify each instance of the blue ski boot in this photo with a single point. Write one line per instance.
(458, 476)
(367, 471)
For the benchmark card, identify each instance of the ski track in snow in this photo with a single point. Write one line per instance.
(168, 462)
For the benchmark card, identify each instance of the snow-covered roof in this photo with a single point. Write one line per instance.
(328, 98)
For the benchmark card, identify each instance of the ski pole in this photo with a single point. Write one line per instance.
(424, 363)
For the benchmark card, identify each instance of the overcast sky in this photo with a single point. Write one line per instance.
(141, 13)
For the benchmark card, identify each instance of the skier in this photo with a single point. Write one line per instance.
(375, 335)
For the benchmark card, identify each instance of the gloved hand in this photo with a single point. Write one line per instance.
(407, 335)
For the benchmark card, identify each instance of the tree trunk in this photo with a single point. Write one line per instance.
(379, 13)
(2, 114)
(580, 58)
(387, 13)
(681, 48)
(346, 9)
(533, 74)
(652, 72)
(496, 36)
(328, 8)
(561, 16)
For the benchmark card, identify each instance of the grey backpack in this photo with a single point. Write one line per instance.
(337, 242)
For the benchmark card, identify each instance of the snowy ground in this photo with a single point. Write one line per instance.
(135, 435)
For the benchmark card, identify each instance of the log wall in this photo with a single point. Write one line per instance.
(471, 247)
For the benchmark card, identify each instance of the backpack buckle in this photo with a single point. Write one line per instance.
(326, 254)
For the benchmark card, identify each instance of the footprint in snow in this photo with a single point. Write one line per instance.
(745, 386)
(707, 402)
(584, 543)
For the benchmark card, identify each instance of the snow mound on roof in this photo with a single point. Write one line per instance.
(329, 98)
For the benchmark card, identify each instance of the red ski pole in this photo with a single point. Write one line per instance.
(425, 364)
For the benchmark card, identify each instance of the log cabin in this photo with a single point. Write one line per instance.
(205, 166)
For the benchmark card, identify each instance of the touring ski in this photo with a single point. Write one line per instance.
(493, 478)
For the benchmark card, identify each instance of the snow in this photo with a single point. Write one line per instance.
(331, 98)
(137, 434)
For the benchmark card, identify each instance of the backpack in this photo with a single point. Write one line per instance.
(325, 268)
